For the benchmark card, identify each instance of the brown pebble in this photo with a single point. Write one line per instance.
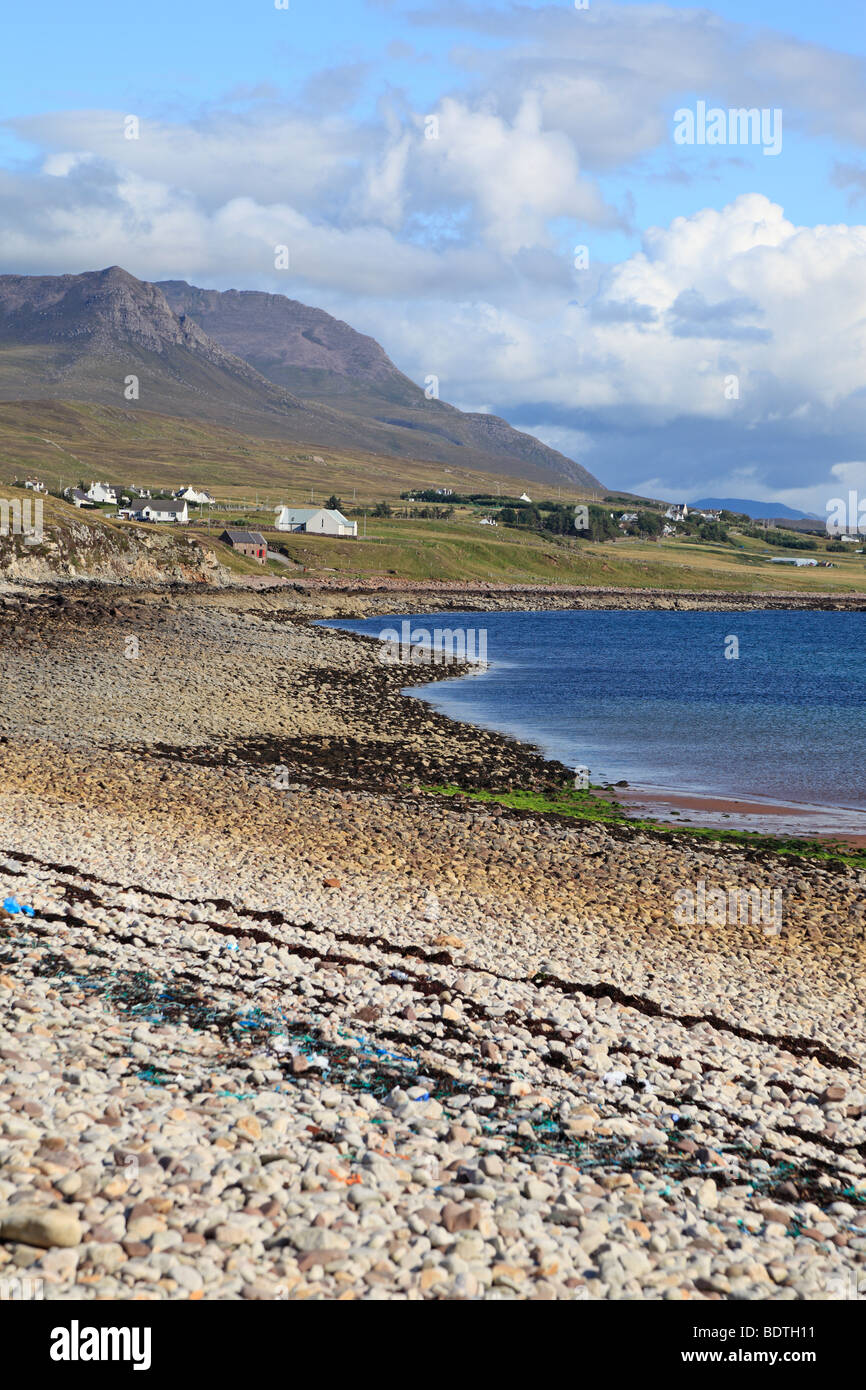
(455, 1218)
(833, 1094)
(320, 1257)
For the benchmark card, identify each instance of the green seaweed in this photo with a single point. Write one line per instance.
(590, 806)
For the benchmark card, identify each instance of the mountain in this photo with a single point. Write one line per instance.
(80, 336)
(326, 363)
(751, 508)
(260, 364)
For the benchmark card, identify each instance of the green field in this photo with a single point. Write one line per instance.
(463, 550)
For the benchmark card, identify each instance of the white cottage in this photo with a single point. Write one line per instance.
(199, 495)
(163, 511)
(315, 521)
(104, 492)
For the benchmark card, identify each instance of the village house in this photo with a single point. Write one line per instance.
(105, 492)
(77, 497)
(316, 521)
(250, 543)
(35, 485)
(199, 496)
(677, 511)
(161, 510)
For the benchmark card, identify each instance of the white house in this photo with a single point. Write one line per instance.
(104, 492)
(192, 494)
(315, 521)
(163, 511)
(524, 497)
(678, 511)
(487, 521)
(77, 497)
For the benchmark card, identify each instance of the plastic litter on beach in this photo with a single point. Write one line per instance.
(13, 905)
(363, 1066)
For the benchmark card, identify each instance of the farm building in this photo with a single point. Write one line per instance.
(250, 543)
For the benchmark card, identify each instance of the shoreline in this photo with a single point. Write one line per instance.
(787, 819)
(286, 1024)
(783, 818)
(382, 594)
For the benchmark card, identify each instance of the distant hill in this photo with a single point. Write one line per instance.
(259, 364)
(751, 508)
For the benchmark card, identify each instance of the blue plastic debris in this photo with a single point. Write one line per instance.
(13, 905)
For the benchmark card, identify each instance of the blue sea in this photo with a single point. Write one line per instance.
(652, 698)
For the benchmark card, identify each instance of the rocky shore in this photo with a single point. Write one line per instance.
(332, 597)
(280, 1022)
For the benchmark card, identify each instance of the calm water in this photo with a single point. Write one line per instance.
(650, 697)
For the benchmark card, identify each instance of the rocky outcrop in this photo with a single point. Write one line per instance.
(76, 551)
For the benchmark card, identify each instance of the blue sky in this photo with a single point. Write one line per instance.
(305, 125)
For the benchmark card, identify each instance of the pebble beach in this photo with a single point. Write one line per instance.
(280, 1021)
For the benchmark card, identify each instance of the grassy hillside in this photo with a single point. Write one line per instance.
(63, 440)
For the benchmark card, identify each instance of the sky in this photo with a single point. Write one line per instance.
(515, 198)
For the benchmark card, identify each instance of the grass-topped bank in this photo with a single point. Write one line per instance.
(592, 805)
